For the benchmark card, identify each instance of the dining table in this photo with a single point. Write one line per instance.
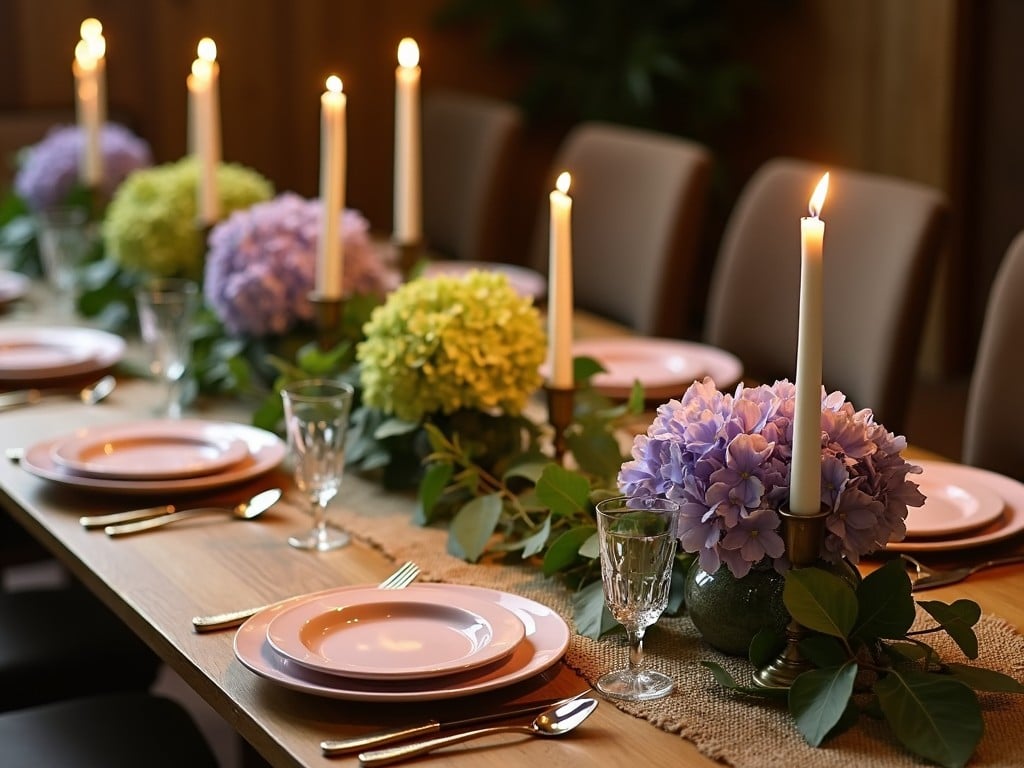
(156, 582)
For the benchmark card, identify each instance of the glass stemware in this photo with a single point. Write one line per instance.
(166, 307)
(64, 238)
(316, 415)
(638, 546)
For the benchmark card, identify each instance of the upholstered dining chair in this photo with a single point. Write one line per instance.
(468, 147)
(883, 241)
(992, 425)
(639, 199)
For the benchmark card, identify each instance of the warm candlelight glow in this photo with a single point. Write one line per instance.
(90, 28)
(560, 293)
(563, 182)
(207, 49)
(84, 55)
(408, 52)
(818, 198)
(334, 84)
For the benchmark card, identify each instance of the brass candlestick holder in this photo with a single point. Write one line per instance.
(409, 255)
(327, 316)
(561, 405)
(803, 535)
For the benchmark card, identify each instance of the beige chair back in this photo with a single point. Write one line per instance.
(468, 147)
(883, 239)
(994, 423)
(639, 200)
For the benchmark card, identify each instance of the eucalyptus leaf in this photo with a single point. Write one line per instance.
(432, 486)
(531, 471)
(823, 651)
(394, 428)
(589, 612)
(585, 368)
(886, 607)
(935, 717)
(473, 526)
(981, 679)
(535, 543)
(726, 680)
(564, 550)
(765, 646)
(596, 451)
(818, 699)
(591, 548)
(820, 601)
(563, 491)
(957, 619)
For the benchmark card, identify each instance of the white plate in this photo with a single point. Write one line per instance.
(547, 638)
(1009, 523)
(526, 282)
(151, 450)
(266, 451)
(666, 367)
(957, 501)
(33, 354)
(13, 285)
(403, 634)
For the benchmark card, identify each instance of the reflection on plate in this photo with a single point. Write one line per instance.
(957, 501)
(666, 367)
(547, 637)
(1009, 523)
(151, 450)
(266, 451)
(13, 285)
(401, 635)
(34, 354)
(526, 282)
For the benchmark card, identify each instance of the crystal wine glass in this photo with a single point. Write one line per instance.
(166, 306)
(316, 415)
(64, 238)
(638, 546)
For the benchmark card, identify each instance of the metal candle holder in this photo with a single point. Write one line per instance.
(327, 316)
(409, 255)
(803, 535)
(561, 404)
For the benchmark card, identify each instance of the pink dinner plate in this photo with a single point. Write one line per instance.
(35, 354)
(525, 282)
(150, 450)
(957, 500)
(547, 638)
(13, 285)
(403, 634)
(265, 451)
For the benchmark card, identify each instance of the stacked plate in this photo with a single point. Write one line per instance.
(156, 456)
(52, 354)
(425, 642)
(964, 507)
(13, 285)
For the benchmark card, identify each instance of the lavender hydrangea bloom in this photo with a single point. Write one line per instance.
(726, 460)
(49, 170)
(261, 265)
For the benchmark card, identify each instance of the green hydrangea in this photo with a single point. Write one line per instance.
(446, 343)
(150, 224)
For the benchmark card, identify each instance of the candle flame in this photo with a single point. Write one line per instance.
(408, 52)
(334, 84)
(84, 55)
(818, 198)
(562, 184)
(90, 28)
(207, 49)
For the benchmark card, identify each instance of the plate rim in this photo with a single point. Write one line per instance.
(108, 349)
(983, 495)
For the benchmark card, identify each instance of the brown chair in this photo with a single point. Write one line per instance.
(993, 423)
(883, 239)
(468, 145)
(639, 200)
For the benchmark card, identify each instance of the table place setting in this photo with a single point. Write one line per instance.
(54, 354)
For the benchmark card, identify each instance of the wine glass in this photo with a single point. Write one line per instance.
(64, 238)
(638, 546)
(316, 420)
(166, 306)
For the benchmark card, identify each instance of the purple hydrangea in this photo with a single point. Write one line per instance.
(261, 265)
(726, 460)
(49, 169)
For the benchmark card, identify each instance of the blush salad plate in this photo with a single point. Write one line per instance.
(13, 285)
(546, 640)
(152, 450)
(404, 634)
(958, 500)
(34, 354)
(525, 282)
(665, 367)
(265, 450)
(1009, 523)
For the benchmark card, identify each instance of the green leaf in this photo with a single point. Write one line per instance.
(906, 651)
(585, 368)
(981, 679)
(933, 716)
(564, 550)
(589, 612)
(394, 428)
(723, 678)
(596, 451)
(531, 471)
(823, 651)
(957, 619)
(820, 601)
(564, 492)
(818, 699)
(535, 543)
(886, 607)
(473, 526)
(765, 646)
(435, 480)
(591, 548)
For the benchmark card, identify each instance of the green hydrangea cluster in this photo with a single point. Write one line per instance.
(150, 225)
(445, 343)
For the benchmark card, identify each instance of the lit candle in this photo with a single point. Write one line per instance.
(330, 263)
(87, 107)
(91, 31)
(407, 204)
(204, 128)
(560, 301)
(805, 472)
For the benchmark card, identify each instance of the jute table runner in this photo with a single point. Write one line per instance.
(735, 730)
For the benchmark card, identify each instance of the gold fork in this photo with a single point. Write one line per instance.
(400, 579)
